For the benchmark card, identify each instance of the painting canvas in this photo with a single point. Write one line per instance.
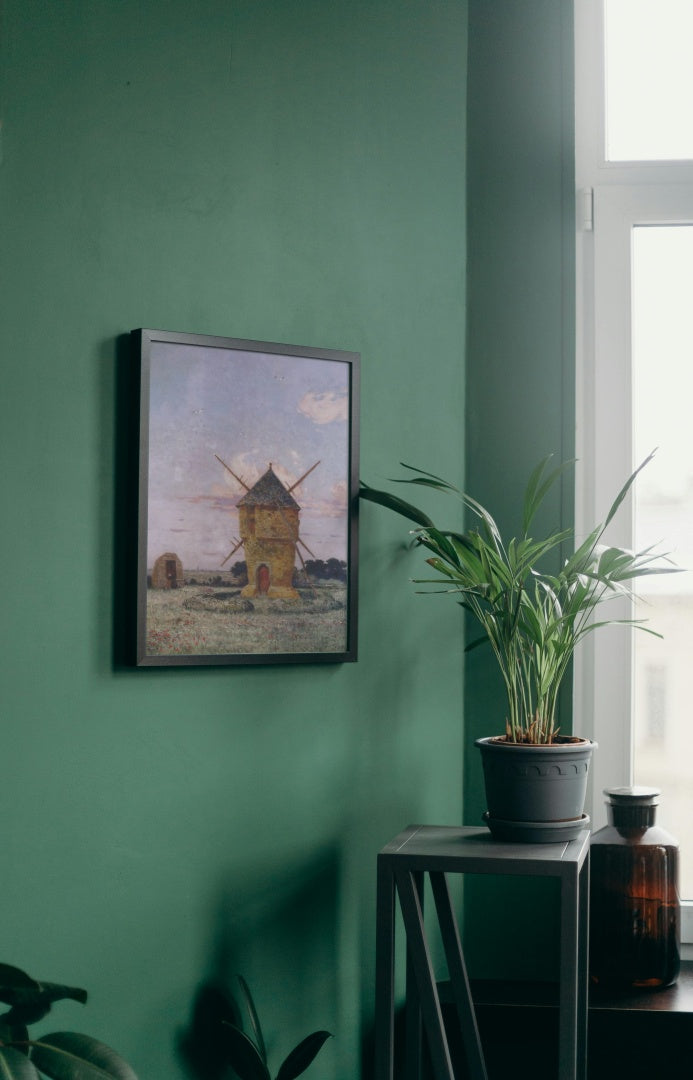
(247, 504)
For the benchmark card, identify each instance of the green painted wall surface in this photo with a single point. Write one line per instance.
(520, 358)
(281, 171)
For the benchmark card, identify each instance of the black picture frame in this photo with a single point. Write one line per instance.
(246, 448)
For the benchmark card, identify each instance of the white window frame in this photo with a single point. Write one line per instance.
(611, 198)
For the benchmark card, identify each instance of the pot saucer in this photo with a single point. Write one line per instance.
(535, 832)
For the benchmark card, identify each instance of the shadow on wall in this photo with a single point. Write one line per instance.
(279, 930)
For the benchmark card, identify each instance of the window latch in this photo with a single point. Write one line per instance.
(585, 209)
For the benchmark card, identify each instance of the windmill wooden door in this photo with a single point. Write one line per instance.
(263, 579)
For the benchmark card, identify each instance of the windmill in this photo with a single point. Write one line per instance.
(269, 533)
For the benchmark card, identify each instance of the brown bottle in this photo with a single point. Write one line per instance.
(635, 919)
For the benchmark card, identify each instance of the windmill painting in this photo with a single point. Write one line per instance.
(248, 486)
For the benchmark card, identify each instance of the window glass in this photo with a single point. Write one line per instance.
(649, 79)
(662, 356)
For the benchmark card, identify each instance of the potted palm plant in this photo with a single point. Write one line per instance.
(533, 618)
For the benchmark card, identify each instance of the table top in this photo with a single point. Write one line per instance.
(465, 849)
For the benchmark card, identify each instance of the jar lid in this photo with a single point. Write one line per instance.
(632, 796)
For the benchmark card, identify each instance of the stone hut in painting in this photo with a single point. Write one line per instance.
(167, 572)
(268, 522)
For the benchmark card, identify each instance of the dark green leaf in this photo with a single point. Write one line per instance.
(466, 556)
(30, 999)
(16, 1066)
(253, 1017)
(66, 1055)
(423, 481)
(243, 1055)
(431, 476)
(301, 1056)
(477, 641)
(201, 1043)
(439, 543)
(14, 1033)
(531, 624)
(392, 502)
(12, 978)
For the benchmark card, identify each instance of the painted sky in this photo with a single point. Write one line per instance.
(252, 409)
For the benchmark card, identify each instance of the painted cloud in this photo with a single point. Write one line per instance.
(324, 408)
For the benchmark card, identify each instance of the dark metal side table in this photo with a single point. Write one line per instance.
(438, 851)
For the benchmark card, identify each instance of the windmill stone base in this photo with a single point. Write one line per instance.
(270, 565)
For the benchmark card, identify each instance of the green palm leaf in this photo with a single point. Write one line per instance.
(537, 490)
(432, 476)
(532, 618)
(393, 503)
(625, 489)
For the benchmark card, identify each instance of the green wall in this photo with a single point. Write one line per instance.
(290, 172)
(520, 364)
(281, 171)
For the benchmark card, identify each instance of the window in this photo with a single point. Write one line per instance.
(651, 709)
(648, 80)
(634, 165)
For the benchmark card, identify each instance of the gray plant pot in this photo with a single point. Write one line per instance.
(535, 794)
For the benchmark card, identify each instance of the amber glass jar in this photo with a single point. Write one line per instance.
(635, 920)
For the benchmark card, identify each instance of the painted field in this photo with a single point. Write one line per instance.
(200, 620)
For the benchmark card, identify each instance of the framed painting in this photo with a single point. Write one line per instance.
(248, 501)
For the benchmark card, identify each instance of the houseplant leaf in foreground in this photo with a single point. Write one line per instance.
(66, 1055)
(248, 1057)
(255, 1025)
(14, 1065)
(243, 1055)
(301, 1056)
(31, 1000)
(202, 1044)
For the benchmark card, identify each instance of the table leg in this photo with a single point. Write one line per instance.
(385, 971)
(458, 977)
(583, 968)
(568, 984)
(425, 978)
(413, 1042)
